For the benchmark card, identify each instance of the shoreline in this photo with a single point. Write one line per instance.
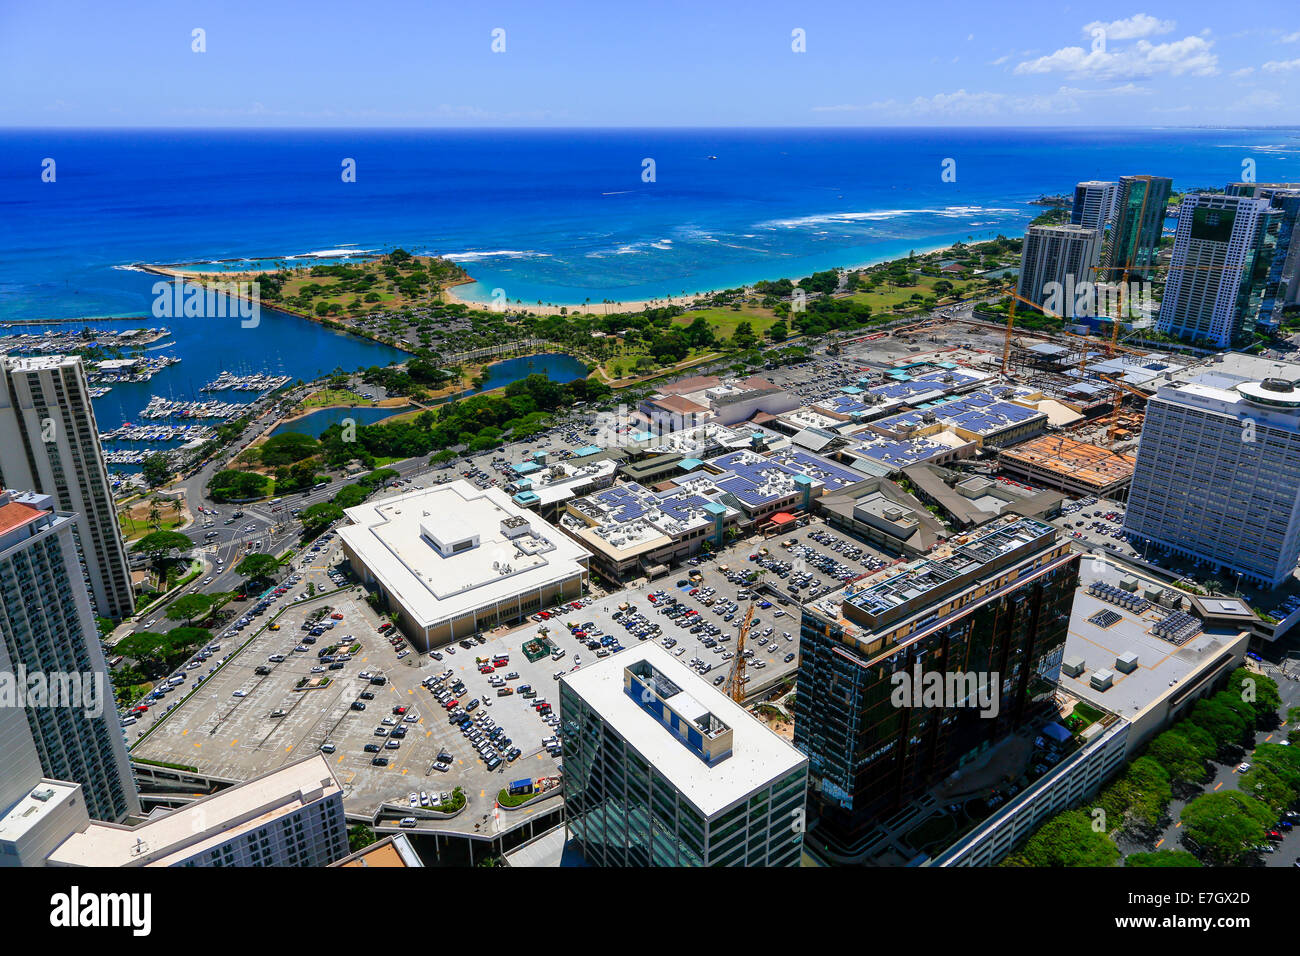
(172, 272)
(618, 307)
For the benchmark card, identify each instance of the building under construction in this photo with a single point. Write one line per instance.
(1071, 466)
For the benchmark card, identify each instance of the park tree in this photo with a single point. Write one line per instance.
(233, 485)
(156, 470)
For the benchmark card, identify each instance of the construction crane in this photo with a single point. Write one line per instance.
(736, 679)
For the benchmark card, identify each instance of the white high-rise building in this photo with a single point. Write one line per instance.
(51, 445)
(1218, 469)
(1223, 250)
(1094, 204)
(51, 643)
(1055, 259)
(662, 769)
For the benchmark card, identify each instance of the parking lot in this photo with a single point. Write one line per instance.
(239, 723)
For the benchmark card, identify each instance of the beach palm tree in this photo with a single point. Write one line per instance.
(155, 514)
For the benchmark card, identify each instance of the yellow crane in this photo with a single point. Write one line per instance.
(736, 679)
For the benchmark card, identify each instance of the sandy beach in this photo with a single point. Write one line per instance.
(595, 308)
(450, 294)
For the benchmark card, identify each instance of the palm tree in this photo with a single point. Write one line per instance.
(155, 514)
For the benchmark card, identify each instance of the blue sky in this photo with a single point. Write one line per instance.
(614, 63)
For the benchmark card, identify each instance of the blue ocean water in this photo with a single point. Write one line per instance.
(556, 367)
(560, 216)
(554, 215)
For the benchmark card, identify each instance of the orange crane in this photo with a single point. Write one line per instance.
(736, 679)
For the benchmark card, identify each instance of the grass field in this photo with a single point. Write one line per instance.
(334, 396)
(886, 297)
(724, 321)
(135, 522)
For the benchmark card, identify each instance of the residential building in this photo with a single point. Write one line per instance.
(49, 636)
(662, 769)
(1223, 252)
(51, 442)
(1282, 283)
(1094, 204)
(1138, 221)
(1054, 261)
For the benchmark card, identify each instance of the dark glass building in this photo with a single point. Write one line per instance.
(1139, 220)
(986, 614)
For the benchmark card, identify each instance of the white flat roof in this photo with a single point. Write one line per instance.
(758, 755)
(386, 537)
(203, 824)
(29, 811)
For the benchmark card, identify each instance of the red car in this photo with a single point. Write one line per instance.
(487, 669)
(337, 616)
(544, 615)
(140, 708)
(399, 710)
(500, 661)
(452, 704)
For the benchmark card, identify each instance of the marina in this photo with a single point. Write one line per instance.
(258, 382)
(160, 408)
(55, 341)
(121, 371)
(157, 433)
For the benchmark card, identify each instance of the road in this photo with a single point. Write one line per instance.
(1226, 778)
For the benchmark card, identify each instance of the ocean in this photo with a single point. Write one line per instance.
(558, 216)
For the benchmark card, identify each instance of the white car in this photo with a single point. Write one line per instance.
(239, 693)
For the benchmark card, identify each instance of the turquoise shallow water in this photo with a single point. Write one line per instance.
(559, 216)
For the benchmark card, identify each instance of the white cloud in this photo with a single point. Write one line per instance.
(1137, 26)
(1260, 99)
(1244, 71)
(1281, 66)
(985, 104)
(1000, 60)
(1291, 37)
(1190, 55)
